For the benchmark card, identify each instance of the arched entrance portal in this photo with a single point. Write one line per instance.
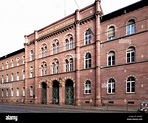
(69, 92)
(44, 93)
(55, 92)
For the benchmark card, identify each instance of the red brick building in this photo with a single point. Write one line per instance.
(86, 58)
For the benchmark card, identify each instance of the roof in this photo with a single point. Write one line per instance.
(124, 10)
(12, 54)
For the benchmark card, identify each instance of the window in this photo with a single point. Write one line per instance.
(111, 33)
(17, 61)
(54, 49)
(88, 37)
(17, 76)
(23, 74)
(130, 28)
(12, 77)
(7, 78)
(55, 66)
(67, 44)
(87, 60)
(7, 93)
(12, 63)
(2, 92)
(31, 91)
(44, 50)
(23, 91)
(23, 59)
(111, 58)
(12, 93)
(31, 72)
(7, 65)
(111, 86)
(71, 43)
(31, 55)
(17, 92)
(87, 87)
(71, 64)
(43, 69)
(57, 48)
(2, 79)
(130, 55)
(66, 65)
(130, 85)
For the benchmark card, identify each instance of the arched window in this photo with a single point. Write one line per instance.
(71, 64)
(111, 58)
(130, 85)
(130, 55)
(55, 66)
(12, 92)
(87, 88)
(111, 86)
(130, 28)
(17, 61)
(17, 92)
(43, 69)
(23, 74)
(17, 76)
(12, 77)
(7, 64)
(66, 65)
(7, 93)
(2, 66)
(71, 43)
(31, 72)
(111, 32)
(2, 79)
(67, 44)
(2, 92)
(44, 50)
(12, 63)
(88, 36)
(87, 60)
(31, 91)
(7, 78)
(23, 92)
(31, 55)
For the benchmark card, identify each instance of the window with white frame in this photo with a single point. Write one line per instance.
(66, 65)
(87, 88)
(12, 63)
(130, 28)
(111, 58)
(111, 32)
(12, 92)
(17, 76)
(67, 44)
(57, 67)
(7, 93)
(87, 60)
(130, 55)
(71, 64)
(17, 61)
(43, 69)
(71, 43)
(17, 92)
(2, 93)
(31, 91)
(130, 85)
(111, 86)
(23, 92)
(7, 78)
(44, 50)
(31, 55)
(2, 79)
(12, 77)
(23, 72)
(57, 48)
(88, 36)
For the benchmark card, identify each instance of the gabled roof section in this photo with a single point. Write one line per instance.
(124, 10)
(12, 54)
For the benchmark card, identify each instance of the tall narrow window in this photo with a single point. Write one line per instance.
(130, 55)
(111, 86)
(67, 44)
(17, 92)
(2, 92)
(111, 58)
(12, 63)
(23, 59)
(2, 79)
(31, 55)
(2, 66)
(53, 68)
(130, 28)
(57, 48)
(7, 93)
(71, 43)
(71, 64)
(12, 77)
(31, 91)
(57, 67)
(17, 76)
(31, 72)
(7, 65)
(66, 65)
(111, 33)
(87, 60)
(88, 36)
(12, 93)
(23, 91)
(87, 89)
(23, 74)
(43, 69)
(17, 61)
(54, 49)
(7, 78)
(130, 85)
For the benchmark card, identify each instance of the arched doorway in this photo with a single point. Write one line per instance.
(69, 92)
(55, 92)
(44, 93)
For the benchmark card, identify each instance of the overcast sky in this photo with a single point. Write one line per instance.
(22, 17)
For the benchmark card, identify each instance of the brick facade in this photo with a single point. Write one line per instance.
(77, 61)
